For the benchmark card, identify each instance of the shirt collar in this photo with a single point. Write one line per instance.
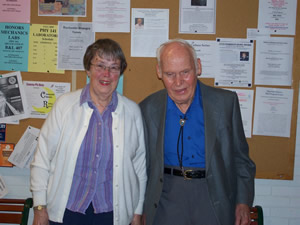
(196, 100)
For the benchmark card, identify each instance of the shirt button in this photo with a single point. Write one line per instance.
(117, 166)
(193, 156)
(189, 138)
(95, 171)
(117, 146)
(97, 156)
(99, 124)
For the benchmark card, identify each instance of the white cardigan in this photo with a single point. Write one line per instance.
(59, 142)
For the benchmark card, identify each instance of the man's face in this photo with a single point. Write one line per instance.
(139, 21)
(57, 6)
(179, 74)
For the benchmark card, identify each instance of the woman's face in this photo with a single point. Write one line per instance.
(104, 76)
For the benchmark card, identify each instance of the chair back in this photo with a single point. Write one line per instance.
(257, 217)
(15, 211)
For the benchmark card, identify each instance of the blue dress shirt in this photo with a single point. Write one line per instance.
(193, 134)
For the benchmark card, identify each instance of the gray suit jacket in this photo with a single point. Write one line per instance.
(229, 170)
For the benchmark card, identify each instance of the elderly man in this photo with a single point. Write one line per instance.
(199, 170)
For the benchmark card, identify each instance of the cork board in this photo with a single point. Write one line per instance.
(274, 156)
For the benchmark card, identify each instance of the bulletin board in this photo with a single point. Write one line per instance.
(274, 156)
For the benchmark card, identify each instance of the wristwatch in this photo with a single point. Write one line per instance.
(39, 207)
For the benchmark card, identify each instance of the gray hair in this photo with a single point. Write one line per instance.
(183, 43)
(104, 48)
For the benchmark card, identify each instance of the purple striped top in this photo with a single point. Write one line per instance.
(93, 176)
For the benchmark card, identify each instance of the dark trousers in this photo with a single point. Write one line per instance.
(89, 218)
(184, 202)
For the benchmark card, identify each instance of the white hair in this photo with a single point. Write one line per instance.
(183, 43)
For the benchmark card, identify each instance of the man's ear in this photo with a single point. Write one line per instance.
(158, 72)
(199, 71)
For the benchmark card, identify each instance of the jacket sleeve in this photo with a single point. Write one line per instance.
(245, 167)
(46, 149)
(140, 163)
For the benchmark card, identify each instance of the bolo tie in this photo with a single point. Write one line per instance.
(182, 122)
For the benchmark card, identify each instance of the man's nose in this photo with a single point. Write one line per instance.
(178, 79)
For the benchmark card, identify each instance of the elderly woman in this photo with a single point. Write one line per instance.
(89, 167)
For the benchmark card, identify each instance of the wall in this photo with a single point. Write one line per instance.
(140, 76)
(280, 199)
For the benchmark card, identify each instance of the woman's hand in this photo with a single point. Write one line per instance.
(40, 217)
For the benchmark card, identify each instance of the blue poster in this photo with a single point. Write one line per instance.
(2, 132)
(14, 46)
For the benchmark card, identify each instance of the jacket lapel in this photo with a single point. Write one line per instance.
(211, 120)
(161, 109)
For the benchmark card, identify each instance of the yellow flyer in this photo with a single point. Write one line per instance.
(42, 55)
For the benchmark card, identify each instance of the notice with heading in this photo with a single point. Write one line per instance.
(273, 112)
(197, 17)
(149, 29)
(274, 61)
(234, 62)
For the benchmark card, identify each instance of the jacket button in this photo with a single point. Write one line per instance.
(161, 180)
(155, 205)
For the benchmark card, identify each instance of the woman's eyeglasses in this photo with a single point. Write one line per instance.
(102, 68)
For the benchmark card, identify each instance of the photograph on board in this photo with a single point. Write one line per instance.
(199, 2)
(62, 8)
(13, 104)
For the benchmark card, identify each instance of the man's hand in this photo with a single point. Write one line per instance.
(40, 217)
(242, 214)
(137, 220)
(144, 219)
